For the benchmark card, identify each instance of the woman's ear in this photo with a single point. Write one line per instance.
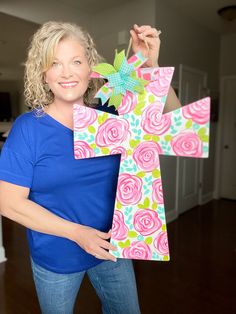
(44, 78)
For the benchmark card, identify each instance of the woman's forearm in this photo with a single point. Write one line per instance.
(172, 101)
(36, 217)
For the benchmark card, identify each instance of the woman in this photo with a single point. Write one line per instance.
(66, 204)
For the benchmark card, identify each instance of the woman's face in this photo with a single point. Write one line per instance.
(68, 76)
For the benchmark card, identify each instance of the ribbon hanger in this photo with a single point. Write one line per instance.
(130, 44)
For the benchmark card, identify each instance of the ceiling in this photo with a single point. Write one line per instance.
(204, 12)
(92, 6)
(15, 32)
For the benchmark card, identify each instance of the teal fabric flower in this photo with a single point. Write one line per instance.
(121, 77)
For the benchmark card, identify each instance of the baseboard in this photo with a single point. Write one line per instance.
(2, 255)
(207, 198)
(216, 195)
(171, 216)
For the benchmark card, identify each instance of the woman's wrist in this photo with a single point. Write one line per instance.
(71, 230)
(149, 64)
(155, 64)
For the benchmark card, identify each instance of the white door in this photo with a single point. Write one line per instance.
(192, 86)
(228, 147)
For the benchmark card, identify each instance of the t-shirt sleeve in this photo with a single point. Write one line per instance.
(16, 162)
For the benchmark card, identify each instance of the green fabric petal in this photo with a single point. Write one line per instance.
(104, 69)
(119, 58)
(115, 100)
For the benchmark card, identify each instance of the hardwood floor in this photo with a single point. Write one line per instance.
(199, 279)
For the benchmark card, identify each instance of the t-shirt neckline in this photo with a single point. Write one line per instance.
(57, 123)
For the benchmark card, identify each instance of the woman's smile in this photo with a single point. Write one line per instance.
(68, 84)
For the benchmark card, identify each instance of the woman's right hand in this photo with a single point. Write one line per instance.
(94, 242)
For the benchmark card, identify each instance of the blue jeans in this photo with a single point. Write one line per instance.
(114, 283)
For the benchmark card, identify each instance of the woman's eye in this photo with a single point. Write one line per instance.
(77, 62)
(55, 64)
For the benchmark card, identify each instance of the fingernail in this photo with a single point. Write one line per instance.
(141, 35)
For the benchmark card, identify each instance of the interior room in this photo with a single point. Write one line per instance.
(198, 39)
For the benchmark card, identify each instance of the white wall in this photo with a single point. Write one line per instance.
(44, 10)
(184, 41)
(228, 54)
(107, 24)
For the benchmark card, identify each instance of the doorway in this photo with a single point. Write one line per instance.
(192, 86)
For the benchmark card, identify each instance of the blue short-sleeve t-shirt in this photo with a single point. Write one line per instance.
(39, 154)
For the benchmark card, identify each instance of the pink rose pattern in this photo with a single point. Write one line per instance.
(146, 155)
(166, 72)
(119, 150)
(160, 87)
(129, 189)
(119, 228)
(199, 112)
(112, 132)
(146, 221)
(128, 103)
(187, 144)
(157, 192)
(161, 243)
(152, 120)
(138, 250)
(83, 150)
(160, 81)
(83, 117)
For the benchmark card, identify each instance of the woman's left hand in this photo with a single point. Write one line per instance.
(146, 39)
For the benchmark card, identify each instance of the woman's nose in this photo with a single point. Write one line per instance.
(66, 71)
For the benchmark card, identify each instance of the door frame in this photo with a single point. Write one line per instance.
(179, 163)
(219, 136)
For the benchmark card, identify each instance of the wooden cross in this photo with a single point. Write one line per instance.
(140, 134)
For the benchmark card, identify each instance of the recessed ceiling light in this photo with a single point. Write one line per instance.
(228, 13)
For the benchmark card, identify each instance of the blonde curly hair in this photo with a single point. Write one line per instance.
(40, 57)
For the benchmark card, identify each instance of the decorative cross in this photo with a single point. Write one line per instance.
(140, 133)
